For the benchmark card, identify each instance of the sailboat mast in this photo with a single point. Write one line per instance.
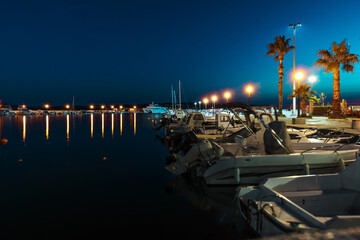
(73, 103)
(179, 95)
(172, 97)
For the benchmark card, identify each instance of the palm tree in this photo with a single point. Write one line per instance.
(331, 60)
(278, 49)
(303, 92)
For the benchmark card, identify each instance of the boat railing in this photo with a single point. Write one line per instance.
(325, 148)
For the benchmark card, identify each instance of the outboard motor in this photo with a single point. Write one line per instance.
(272, 146)
(181, 141)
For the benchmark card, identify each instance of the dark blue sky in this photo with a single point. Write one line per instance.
(133, 51)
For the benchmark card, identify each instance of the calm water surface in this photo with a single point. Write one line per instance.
(101, 177)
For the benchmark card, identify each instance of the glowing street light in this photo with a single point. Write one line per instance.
(299, 76)
(249, 89)
(195, 103)
(102, 107)
(121, 107)
(214, 98)
(67, 106)
(206, 101)
(134, 107)
(199, 104)
(112, 106)
(91, 106)
(227, 96)
(46, 106)
(312, 79)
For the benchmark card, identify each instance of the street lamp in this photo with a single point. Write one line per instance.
(227, 95)
(195, 103)
(205, 101)
(294, 26)
(214, 98)
(67, 106)
(312, 79)
(249, 89)
(91, 106)
(46, 106)
(102, 107)
(199, 104)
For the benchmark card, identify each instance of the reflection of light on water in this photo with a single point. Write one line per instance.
(134, 123)
(67, 128)
(47, 127)
(24, 128)
(92, 125)
(112, 124)
(102, 125)
(120, 124)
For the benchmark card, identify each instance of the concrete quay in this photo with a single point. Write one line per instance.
(324, 123)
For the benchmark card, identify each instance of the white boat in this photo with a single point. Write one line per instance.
(6, 110)
(23, 110)
(303, 203)
(259, 153)
(155, 108)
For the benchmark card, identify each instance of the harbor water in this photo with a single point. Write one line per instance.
(102, 176)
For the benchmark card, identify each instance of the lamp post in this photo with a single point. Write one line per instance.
(299, 76)
(91, 106)
(67, 106)
(47, 106)
(199, 104)
(294, 26)
(206, 101)
(195, 103)
(249, 89)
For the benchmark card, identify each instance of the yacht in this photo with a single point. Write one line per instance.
(155, 108)
(302, 203)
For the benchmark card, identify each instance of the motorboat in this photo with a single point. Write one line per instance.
(6, 110)
(23, 110)
(155, 108)
(258, 153)
(303, 203)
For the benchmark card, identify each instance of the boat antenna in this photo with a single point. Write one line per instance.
(174, 100)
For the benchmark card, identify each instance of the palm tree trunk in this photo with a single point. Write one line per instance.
(303, 107)
(336, 94)
(281, 75)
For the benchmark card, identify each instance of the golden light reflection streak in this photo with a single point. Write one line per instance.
(47, 127)
(24, 128)
(121, 124)
(134, 123)
(112, 124)
(92, 125)
(102, 125)
(67, 128)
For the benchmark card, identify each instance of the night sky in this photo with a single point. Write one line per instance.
(106, 52)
